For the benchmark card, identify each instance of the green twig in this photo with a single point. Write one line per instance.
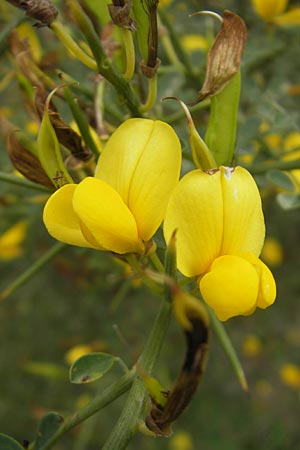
(182, 55)
(104, 66)
(32, 270)
(106, 397)
(81, 121)
(134, 408)
(61, 32)
(19, 181)
(130, 53)
(229, 349)
(152, 91)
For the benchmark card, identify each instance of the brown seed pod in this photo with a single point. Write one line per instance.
(41, 10)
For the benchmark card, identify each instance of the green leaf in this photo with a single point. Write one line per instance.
(280, 179)
(48, 426)
(289, 201)
(8, 443)
(49, 151)
(90, 367)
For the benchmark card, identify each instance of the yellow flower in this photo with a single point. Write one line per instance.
(122, 206)
(11, 241)
(220, 234)
(292, 152)
(76, 352)
(181, 441)
(290, 375)
(251, 345)
(272, 252)
(192, 42)
(274, 11)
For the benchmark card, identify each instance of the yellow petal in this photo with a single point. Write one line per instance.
(231, 287)
(60, 219)
(141, 161)
(244, 228)
(195, 210)
(267, 286)
(268, 9)
(290, 18)
(106, 217)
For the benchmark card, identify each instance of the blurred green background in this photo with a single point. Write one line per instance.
(79, 296)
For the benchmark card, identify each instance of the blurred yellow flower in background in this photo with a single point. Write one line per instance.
(274, 11)
(272, 252)
(76, 352)
(181, 440)
(251, 345)
(11, 241)
(290, 375)
(193, 42)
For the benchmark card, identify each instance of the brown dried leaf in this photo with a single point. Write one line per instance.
(26, 163)
(65, 134)
(224, 57)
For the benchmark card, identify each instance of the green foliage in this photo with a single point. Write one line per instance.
(90, 367)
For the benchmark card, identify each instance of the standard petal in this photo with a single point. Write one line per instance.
(230, 287)
(195, 210)
(106, 217)
(60, 219)
(142, 162)
(244, 227)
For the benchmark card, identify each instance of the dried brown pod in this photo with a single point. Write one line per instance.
(224, 57)
(41, 10)
(120, 14)
(160, 418)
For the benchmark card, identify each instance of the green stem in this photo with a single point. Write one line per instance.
(107, 396)
(19, 181)
(81, 121)
(182, 55)
(32, 270)
(228, 348)
(152, 91)
(169, 48)
(61, 32)
(104, 66)
(156, 262)
(134, 408)
(130, 53)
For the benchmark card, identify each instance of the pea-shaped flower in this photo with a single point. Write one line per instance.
(220, 233)
(122, 206)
